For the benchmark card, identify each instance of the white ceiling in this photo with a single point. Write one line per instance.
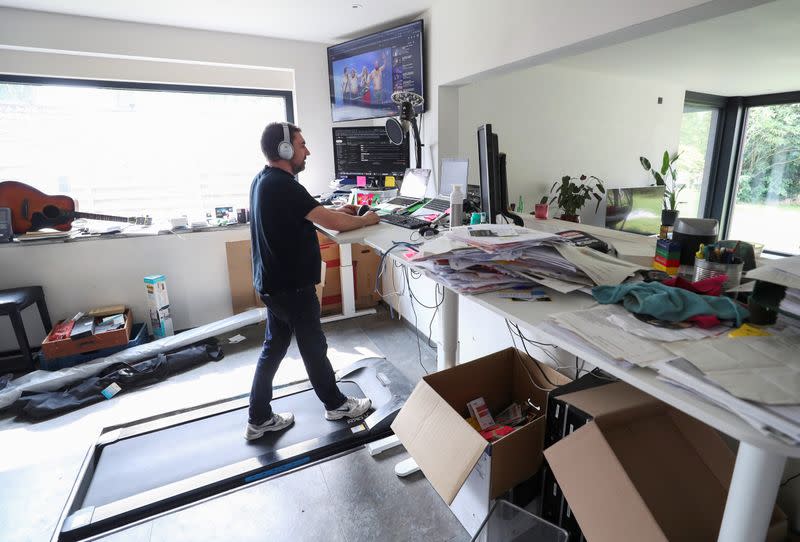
(750, 52)
(327, 21)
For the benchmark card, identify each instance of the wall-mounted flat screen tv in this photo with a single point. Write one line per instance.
(364, 72)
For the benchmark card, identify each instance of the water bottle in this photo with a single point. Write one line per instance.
(456, 206)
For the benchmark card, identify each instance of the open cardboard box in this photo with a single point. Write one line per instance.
(642, 470)
(467, 471)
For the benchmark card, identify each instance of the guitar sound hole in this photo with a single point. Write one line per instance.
(51, 211)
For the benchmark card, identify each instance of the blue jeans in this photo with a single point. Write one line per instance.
(297, 312)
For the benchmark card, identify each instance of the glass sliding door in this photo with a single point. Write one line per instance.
(698, 131)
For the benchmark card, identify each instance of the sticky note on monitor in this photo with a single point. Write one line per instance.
(361, 180)
(388, 181)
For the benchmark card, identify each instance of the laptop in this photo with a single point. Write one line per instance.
(412, 190)
(453, 172)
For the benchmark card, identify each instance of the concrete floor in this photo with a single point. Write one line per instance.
(353, 497)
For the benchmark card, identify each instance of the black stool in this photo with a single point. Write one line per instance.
(11, 304)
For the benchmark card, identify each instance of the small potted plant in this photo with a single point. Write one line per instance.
(542, 209)
(671, 191)
(572, 193)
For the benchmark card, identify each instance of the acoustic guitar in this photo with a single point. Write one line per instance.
(33, 210)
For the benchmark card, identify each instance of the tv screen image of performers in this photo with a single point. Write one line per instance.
(363, 73)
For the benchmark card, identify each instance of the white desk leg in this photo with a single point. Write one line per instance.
(448, 353)
(751, 498)
(348, 287)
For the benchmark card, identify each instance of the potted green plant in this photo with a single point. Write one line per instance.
(572, 193)
(671, 190)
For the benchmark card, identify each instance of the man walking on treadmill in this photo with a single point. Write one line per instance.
(286, 268)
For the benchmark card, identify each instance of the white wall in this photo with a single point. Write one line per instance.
(557, 121)
(80, 275)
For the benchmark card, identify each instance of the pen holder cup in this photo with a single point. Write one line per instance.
(703, 269)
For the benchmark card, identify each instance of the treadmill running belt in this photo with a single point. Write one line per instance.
(152, 460)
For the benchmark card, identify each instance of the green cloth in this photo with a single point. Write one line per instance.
(669, 303)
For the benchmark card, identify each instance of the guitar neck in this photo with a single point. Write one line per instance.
(95, 216)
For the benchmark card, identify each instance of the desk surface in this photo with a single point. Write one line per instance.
(382, 236)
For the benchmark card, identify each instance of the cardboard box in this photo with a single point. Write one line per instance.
(240, 277)
(467, 471)
(365, 271)
(158, 306)
(331, 300)
(642, 470)
(53, 349)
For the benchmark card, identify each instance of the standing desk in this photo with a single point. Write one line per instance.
(347, 281)
(760, 459)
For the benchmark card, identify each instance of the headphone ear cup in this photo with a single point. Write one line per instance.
(285, 150)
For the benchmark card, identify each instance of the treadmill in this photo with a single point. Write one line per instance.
(148, 467)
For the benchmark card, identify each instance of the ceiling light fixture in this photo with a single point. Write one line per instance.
(356, 6)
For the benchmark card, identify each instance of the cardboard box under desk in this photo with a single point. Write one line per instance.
(467, 471)
(641, 470)
(240, 277)
(68, 347)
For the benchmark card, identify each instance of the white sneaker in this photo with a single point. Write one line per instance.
(275, 423)
(353, 407)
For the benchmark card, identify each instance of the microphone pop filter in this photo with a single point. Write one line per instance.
(395, 130)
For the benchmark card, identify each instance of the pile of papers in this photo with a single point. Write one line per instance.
(490, 257)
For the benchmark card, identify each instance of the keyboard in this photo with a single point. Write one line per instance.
(404, 221)
(403, 201)
(438, 204)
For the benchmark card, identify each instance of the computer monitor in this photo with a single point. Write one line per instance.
(454, 171)
(635, 210)
(494, 180)
(366, 151)
(364, 72)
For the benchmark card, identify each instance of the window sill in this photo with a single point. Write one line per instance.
(130, 235)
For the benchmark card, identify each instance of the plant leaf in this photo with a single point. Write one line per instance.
(658, 177)
(645, 163)
(665, 163)
(565, 178)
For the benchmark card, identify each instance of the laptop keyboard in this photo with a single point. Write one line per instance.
(439, 204)
(404, 221)
(403, 201)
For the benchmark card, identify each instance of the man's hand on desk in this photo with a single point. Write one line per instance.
(340, 220)
(370, 218)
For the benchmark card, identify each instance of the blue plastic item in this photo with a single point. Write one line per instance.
(138, 336)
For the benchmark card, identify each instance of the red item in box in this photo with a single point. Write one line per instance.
(496, 432)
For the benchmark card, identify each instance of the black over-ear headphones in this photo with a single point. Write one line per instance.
(285, 148)
(428, 230)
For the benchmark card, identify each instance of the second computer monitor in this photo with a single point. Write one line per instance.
(367, 152)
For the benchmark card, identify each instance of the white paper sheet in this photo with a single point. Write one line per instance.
(593, 325)
(762, 369)
(601, 268)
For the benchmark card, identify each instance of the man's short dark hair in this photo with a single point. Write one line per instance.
(272, 136)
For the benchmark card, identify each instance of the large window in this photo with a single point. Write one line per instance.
(136, 149)
(766, 206)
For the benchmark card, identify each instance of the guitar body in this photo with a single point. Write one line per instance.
(33, 210)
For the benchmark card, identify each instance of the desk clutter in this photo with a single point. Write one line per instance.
(728, 342)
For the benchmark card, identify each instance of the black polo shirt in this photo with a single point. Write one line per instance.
(285, 247)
